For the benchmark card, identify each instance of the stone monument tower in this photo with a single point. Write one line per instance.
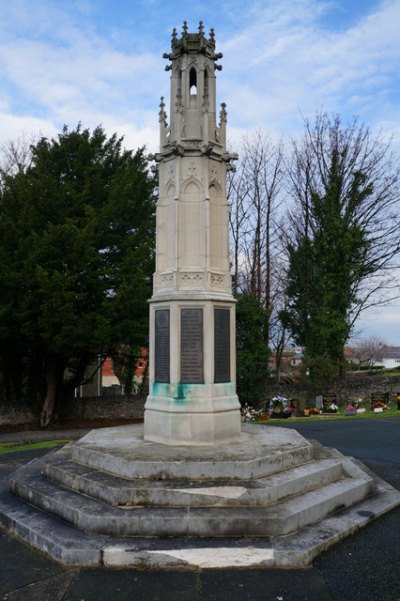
(192, 397)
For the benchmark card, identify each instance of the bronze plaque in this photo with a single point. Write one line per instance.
(222, 345)
(161, 347)
(192, 346)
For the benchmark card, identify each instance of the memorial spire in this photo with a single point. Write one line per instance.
(192, 310)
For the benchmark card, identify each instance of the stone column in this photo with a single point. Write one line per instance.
(192, 397)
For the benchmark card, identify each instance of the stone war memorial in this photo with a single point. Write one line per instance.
(192, 487)
(192, 396)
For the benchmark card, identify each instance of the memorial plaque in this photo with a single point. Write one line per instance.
(161, 347)
(192, 346)
(222, 345)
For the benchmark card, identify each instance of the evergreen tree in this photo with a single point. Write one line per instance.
(252, 351)
(342, 235)
(76, 249)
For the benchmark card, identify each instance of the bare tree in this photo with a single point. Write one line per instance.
(255, 196)
(16, 155)
(279, 335)
(368, 351)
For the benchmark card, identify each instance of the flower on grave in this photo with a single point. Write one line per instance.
(278, 402)
(351, 407)
(249, 414)
(378, 405)
(333, 407)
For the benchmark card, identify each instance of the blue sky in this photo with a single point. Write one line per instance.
(100, 61)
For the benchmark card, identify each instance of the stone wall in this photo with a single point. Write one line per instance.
(10, 416)
(91, 408)
(353, 386)
(86, 409)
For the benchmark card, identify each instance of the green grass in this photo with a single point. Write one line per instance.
(12, 447)
(392, 374)
(394, 412)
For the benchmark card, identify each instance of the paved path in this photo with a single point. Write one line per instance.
(365, 567)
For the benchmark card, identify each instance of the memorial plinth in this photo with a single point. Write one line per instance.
(113, 499)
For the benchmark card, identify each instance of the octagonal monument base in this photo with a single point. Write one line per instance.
(113, 499)
(202, 415)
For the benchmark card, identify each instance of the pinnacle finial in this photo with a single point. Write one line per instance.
(185, 28)
(174, 35)
(212, 35)
(162, 114)
(201, 28)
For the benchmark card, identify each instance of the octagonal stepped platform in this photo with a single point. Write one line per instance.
(119, 500)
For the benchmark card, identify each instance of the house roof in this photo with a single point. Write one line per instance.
(390, 352)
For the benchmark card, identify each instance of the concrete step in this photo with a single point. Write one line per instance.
(96, 517)
(208, 516)
(118, 491)
(261, 451)
(75, 548)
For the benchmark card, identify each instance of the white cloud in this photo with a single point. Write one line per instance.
(14, 127)
(291, 63)
(279, 60)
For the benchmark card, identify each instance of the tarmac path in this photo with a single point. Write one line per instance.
(364, 567)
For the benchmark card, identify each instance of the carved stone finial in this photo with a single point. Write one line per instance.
(201, 28)
(174, 35)
(223, 113)
(162, 114)
(212, 36)
(185, 28)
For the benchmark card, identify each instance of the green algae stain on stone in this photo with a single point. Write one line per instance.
(230, 388)
(182, 392)
(186, 392)
(160, 389)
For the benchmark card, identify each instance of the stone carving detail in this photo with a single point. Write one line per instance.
(167, 279)
(214, 175)
(190, 277)
(192, 171)
(171, 174)
(217, 280)
(193, 64)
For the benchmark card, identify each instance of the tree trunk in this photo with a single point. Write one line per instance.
(49, 402)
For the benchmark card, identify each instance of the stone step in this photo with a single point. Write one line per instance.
(123, 452)
(75, 548)
(119, 491)
(77, 529)
(95, 517)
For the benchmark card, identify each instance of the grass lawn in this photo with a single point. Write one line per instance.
(393, 412)
(12, 447)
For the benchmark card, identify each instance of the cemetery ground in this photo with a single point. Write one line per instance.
(364, 567)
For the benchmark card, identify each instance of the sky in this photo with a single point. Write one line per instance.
(100, 62)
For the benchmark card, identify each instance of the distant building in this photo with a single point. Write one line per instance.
(390, 356)
(105, 380)
(291, 358)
